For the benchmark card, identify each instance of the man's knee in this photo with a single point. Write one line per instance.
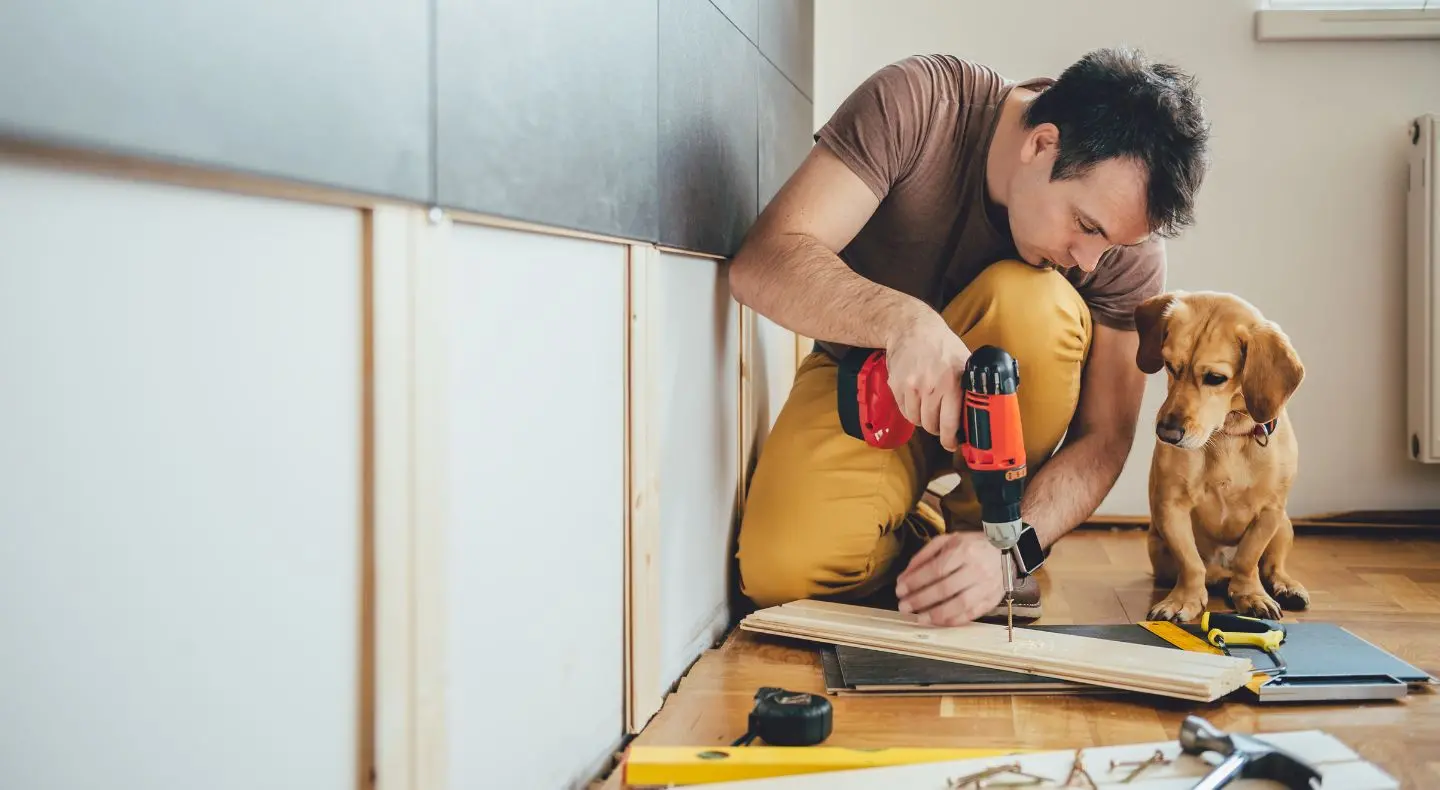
(811, 554)
(1027, 310)
(1039, 318)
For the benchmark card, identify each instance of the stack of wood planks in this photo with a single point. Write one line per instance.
(1200, 677)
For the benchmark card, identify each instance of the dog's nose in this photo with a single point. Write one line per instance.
(1170, 431)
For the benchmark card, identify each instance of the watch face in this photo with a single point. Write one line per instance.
(1029, 555)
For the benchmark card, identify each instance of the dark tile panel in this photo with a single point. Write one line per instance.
(785, 130)
(787, 37)
(744, 14)
(709, 154)
(334, 92)
(547, 112)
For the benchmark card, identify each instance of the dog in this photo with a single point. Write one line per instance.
(1225, 454)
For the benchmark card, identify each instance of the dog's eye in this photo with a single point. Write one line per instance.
(1214, 379)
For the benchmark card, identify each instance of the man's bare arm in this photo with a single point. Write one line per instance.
(1073, 483)
(788, 270)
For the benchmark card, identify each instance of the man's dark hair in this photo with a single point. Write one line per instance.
(1115, 102)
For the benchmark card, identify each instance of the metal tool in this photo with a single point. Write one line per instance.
(991, 438)
(1225, 630)
(1245, 757)
(788, 718)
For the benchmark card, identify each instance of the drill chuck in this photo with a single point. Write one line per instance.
(992, 371)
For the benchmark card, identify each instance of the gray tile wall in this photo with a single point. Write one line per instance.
(671, 121)
(334, 92)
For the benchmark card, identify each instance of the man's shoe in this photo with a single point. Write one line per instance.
(1027, 601)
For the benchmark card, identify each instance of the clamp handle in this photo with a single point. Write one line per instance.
(1238, 624)
(1268, 642)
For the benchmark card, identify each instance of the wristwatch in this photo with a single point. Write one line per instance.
(1029, 554)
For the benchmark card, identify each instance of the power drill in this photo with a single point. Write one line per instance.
(992, 443)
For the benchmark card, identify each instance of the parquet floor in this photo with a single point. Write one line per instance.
(1383, 587)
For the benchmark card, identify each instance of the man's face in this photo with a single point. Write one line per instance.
(1072, 222)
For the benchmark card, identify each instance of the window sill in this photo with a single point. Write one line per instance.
(1346, 25)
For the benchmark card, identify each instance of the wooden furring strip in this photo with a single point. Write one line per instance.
(1200, 677)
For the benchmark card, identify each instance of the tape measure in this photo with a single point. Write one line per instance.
(788, 718)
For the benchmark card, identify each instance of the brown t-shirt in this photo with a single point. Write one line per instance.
(917, 132)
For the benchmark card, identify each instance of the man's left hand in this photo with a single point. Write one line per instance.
(953, 579)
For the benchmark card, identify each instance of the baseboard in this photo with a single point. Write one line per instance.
(1352, 519)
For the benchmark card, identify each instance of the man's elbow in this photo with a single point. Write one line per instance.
(738, 275)
(743, 269)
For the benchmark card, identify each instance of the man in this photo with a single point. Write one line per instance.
(944, 208)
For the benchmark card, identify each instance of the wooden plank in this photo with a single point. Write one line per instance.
(642, 584)
(803, 346)
(430, 280)
(391, 239)
(1143, 668)
(1337, 763)
(507, 223)
(747, 400)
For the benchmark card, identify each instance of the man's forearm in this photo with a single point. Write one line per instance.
(1071, 485)
(797, 283)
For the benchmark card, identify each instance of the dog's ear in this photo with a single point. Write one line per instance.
(1150, 324)
(1272, 371)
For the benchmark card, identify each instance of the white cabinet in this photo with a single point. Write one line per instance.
(534, 555)
(697, 383)
(180, 487)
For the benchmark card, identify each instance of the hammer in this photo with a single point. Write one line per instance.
(1245, 756)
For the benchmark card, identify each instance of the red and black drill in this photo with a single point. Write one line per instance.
(992, 441)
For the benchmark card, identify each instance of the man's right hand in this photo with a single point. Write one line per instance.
(926, 359)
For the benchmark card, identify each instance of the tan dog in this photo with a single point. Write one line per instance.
(1225, 455)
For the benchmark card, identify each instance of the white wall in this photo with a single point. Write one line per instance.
(1303, 213)
(180, 487)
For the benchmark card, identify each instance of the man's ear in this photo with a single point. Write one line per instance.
(1043, 138)
(1272, 371)
(1150, 323)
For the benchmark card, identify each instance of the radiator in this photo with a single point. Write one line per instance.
(1422, 419)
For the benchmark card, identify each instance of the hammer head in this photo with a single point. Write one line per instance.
(1261, 760)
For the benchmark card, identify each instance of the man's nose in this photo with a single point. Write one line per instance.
(1088, 254)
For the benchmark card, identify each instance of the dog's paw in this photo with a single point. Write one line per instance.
(1179, 606)
(1217, 577)
(1291, 594)
(1256, 604)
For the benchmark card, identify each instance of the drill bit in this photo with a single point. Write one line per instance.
(1009, 596)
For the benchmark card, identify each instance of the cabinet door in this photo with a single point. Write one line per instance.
(772, 364)
(698, 412)
(534, 551)
(180, 487)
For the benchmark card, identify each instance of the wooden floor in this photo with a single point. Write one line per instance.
(1383, 587)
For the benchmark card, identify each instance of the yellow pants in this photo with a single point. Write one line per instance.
(828, 516)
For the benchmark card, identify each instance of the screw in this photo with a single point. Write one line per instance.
(1158, 758)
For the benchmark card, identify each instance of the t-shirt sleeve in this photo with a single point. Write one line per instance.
(1125, 277)
(879, 130)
